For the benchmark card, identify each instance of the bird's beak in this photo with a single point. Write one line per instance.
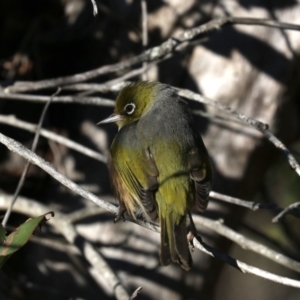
(111, 119)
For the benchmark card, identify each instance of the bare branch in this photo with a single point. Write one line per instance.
(151, 54)
(253, 205)
(64, 99)
(233, 200)
(13, 121)
(243, 267)
(247, 243)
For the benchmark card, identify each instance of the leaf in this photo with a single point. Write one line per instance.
(19, 237)
(2, 233)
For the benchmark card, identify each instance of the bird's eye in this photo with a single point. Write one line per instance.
(129, 108)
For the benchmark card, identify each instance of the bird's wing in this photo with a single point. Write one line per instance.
(135, 173)
(141, 179)
(200, 173)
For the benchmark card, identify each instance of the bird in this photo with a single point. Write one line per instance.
(159, 164)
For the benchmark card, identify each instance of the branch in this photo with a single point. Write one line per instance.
(243, 267)
(151, 54)
(236, 201)
(63, 99)
(247, 243)
(253, 205)
(13, 121)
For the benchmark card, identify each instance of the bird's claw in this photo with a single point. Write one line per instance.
(191, 235)
(120, 215)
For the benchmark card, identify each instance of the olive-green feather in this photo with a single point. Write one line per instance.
(136, 169)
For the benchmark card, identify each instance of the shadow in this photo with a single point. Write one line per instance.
(261, 55)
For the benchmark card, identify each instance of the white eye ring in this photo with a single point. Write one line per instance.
(129, 108)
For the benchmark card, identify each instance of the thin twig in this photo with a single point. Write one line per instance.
(64, 99)
(243, 267)
(27, 166)
(233, 200)
(289, 209)
(135, 293)
(263, 128)
(246, 243)
(13, 121)
(95, 8)
(152, 54)
(250, 204)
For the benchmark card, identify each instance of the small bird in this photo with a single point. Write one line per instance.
(159, 163)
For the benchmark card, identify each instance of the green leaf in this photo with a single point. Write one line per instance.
(19, 237)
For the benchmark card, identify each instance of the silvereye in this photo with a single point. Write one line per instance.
(159, 163)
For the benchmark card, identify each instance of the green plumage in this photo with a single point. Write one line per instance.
(159, 163)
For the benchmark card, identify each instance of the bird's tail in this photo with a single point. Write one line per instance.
(174, 244)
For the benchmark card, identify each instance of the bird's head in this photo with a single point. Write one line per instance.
(133, 102)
